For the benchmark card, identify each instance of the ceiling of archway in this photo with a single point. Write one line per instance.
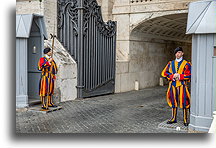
(169, 27)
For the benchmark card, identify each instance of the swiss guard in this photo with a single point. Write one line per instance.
(178, 73)
(48, 69)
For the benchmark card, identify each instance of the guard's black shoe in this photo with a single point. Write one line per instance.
(171, 122)
(186, 124)
(52, 105)
(43, 107)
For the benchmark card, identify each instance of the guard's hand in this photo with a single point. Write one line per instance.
(176, 76)
(50, 60)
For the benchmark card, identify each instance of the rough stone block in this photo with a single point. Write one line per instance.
(121, 10)
(122, 26)
(29, 7)
(128, 81)
(136, 65)
(118, 83)
(125, 82)
(67, 71)
(148, 79)
(122, 67)
(121, 2)
(138, 49)
(68, 89)
(122, 48)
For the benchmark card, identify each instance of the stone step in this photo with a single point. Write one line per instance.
(40, 110)
(179, 126)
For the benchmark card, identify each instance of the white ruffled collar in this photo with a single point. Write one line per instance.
(47, 56)
(179, 60)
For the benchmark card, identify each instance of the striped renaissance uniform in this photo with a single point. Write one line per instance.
(48, 72)
(177, 92)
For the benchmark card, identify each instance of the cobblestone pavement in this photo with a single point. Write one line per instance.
(131, 112)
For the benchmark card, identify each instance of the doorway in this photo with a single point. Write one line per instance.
(34, 54)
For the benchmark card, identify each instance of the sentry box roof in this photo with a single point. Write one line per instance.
(202, 17)
(24, 24)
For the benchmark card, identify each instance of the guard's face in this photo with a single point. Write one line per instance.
(179, 54)
(49, 53)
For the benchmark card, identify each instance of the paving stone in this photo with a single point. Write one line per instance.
(143, 111)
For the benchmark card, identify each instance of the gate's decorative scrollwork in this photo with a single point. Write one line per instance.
(93, 9)
(91, 42)
(67, 18)
(67, 7)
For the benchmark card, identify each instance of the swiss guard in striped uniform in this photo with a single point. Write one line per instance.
(178, 73)
(48, 69)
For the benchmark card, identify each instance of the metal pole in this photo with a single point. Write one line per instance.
(80, 50)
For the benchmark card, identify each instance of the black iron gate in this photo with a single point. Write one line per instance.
(91, 42)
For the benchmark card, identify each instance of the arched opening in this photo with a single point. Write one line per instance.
(151, 46)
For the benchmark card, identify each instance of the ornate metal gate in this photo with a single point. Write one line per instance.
(91, 42)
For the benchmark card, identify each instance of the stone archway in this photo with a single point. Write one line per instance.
(149, 47)
(152, 43)
(168, 27)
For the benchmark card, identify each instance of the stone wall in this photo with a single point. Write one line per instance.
(147, 58)
(50, 14)
(106, 8)
(47, 8)
(29, 7)
(138, 6)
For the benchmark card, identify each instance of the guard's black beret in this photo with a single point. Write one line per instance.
(178, 49)
(46, 50)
